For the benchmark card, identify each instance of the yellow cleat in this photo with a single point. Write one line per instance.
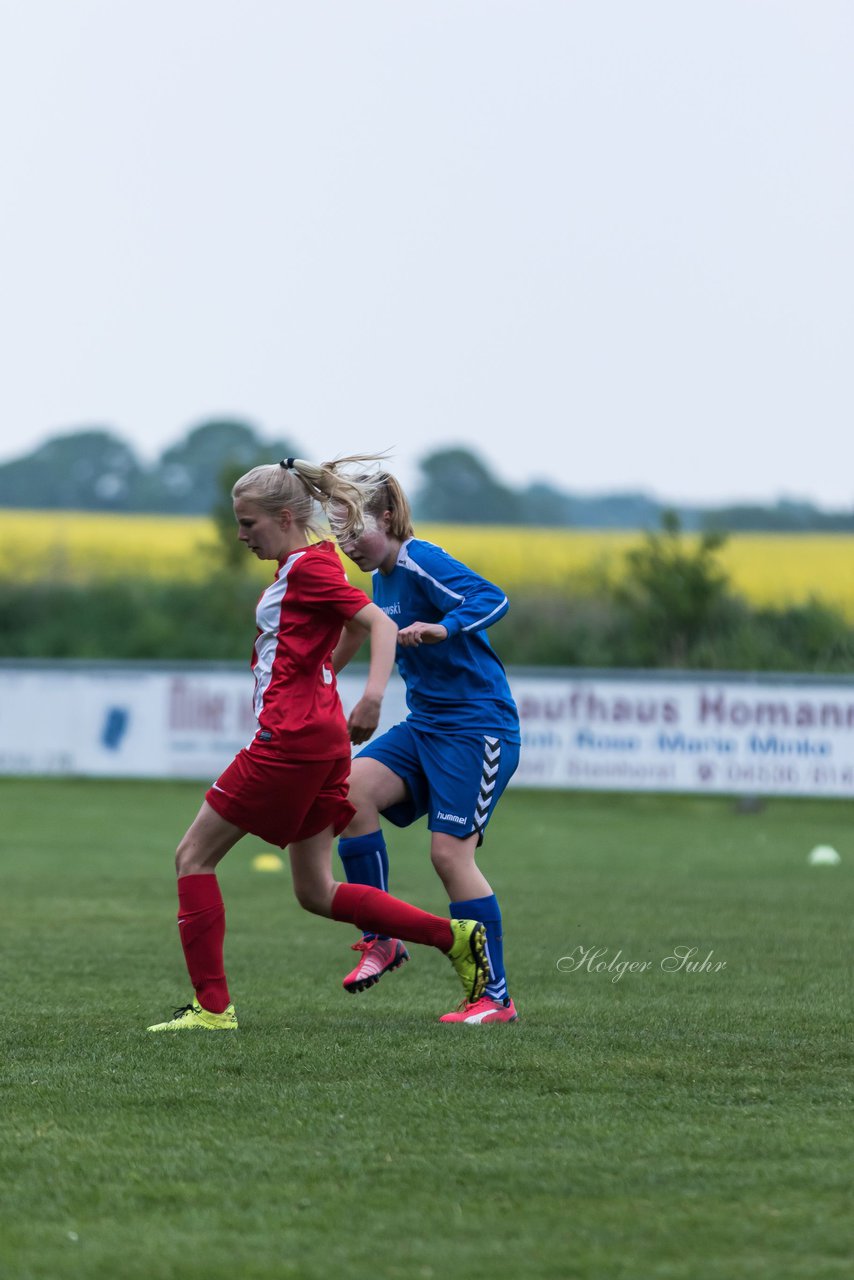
(192, 1017)
(469, 956)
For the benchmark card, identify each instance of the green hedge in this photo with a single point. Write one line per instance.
(602, 632)
(214, 621)
(136, 619)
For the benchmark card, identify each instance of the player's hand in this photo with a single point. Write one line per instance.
(363, 719)
(422, 633)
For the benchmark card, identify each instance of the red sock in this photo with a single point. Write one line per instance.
(201, 924)
(376, 912)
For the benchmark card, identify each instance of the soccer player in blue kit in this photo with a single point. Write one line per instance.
(453, 755)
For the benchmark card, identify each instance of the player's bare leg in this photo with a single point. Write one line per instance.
(373, 787)
(206, 843)
(201, 924)
(311, 872)
(454, 861)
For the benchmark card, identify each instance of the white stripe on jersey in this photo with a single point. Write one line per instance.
(480, 622)
(406, 563)
(268, 617)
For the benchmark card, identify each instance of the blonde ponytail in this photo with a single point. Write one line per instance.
(303, 487)
(380, 491)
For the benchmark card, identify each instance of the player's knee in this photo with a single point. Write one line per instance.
(444, 858)
(314, 897)
(360, 795)
(183, 858)
(365, 820)
(450, 853)
(364, 823)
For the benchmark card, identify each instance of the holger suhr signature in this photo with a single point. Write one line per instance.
(681, 959)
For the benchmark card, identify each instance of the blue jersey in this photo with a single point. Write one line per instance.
(458, 684)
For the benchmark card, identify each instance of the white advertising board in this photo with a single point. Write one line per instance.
(585, 730)
(140, 722)
(702, 733)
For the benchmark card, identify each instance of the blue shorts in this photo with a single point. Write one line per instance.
(455, 778)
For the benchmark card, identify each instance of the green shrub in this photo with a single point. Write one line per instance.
(214, 621)
(137, 619)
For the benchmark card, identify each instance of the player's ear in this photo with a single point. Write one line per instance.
(286, 518)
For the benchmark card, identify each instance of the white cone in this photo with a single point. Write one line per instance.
(823, 856)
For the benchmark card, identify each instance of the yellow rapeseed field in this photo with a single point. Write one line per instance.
(774, 569)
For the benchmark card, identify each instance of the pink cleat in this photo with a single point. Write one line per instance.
(483, 1010)
(379, 956)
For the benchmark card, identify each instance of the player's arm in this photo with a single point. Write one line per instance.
(467, 601)
(353, 636)
(422, 633)
(365, 716)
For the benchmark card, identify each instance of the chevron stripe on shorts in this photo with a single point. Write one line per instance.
(488, 778)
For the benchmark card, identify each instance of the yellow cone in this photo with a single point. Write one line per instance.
(267, 862)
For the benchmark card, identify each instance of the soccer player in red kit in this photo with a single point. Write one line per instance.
(289, 786)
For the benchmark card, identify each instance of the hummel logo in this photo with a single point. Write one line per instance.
(449, 817)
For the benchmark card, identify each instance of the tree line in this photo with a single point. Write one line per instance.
(674, 607)
(95, 470)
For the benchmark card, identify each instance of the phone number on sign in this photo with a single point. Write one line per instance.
(819, 775)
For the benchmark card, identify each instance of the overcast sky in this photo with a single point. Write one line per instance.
(608, 244)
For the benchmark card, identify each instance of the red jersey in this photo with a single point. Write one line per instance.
(299, 618)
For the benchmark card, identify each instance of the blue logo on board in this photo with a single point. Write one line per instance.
(115, 727)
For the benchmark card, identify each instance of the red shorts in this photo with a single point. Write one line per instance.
(283, 800)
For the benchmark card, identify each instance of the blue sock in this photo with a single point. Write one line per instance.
(488, 912)
(365, 861)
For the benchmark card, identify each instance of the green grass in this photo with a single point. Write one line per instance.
(666, 1126)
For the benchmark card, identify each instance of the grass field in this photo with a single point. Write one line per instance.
(767, 569)
(661, 1126)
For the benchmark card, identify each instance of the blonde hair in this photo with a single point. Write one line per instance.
(303, 487)
(380, 491)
